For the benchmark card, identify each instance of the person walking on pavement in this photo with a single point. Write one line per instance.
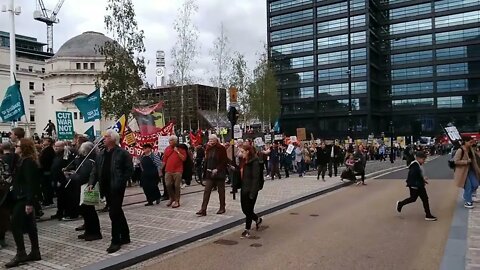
(416, 182)
(285, 161)
(114, 168)
(23, 213)
(250, 186)
(323, 157)
(215, 171)
(334, 152)
(46, 159)
(299, 161)
(150, 175)
(467, 171)
(66, 209)
(274, 159)
(84, 173)
(199, 157)
(173, 161)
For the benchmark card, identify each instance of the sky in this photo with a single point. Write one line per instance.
(244, 23)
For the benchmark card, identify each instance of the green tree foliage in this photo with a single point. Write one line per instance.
(124, 72)
(241, 79)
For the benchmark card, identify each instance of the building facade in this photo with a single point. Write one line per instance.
(30, 68)
(200, 105)
(359, 67)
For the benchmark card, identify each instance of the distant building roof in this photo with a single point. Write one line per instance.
(71, 97)
(84, 45)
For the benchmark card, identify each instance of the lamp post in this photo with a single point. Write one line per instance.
(349, 71)
(12, 10)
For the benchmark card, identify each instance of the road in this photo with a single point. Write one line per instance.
(354, 228)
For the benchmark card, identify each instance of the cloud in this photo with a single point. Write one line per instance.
(244, 22)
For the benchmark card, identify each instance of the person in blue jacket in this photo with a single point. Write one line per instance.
(416, 182)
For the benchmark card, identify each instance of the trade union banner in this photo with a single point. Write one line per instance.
(12, 108)
(89, 106)
(65, 126)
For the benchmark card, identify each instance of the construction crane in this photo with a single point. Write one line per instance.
(41, 14)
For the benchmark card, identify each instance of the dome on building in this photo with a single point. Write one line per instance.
(84, 45)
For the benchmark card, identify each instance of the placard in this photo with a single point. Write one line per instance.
(259, 141)
(293, 139)
(237, 132)
(268, 138)
(453, 133)
(290, 149)
(163, 143)
(301, 134)
(65, 125)
(279, 137)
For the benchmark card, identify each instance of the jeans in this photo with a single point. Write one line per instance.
(248, 206)
(414, 194)
(471, 185)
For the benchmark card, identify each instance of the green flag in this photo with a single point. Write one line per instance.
(89, 106)
(12, 108)
(90, 133)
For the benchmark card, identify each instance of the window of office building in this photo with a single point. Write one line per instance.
(300, 62)
(450, 102)
(458, 19)
(341, 73)
(31, 85)
(452, 69)
(411, 42)
(284, 4)
(298, 93)
(292, 17)
(300, 108)
(458, 35)
(409, 11)
(412, 57)
(412, 88)
(296, 32)
(410, 73)
(339, 24)
(341, 89)
(443, 5)
(452, 86)
(290, 48)
(451, 53)
(342, 56)
(411, 26)
(339, 8)
(341, 40)
(413, 103)
(297, 78)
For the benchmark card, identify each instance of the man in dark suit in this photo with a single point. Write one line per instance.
(46, 160)
(334, 153)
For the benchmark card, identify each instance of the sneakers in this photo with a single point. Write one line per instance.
(431, 218)
(258, 223)
(468, 205)
(245, 234)
(399, 208)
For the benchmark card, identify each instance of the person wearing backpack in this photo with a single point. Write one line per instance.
(251, 184)
(467, 171)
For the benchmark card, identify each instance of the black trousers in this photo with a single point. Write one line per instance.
(47, 189)
(90, 218)
(21, 222)
(333, 163)
(248, 206)
(414, 194)
(322, 169)
(120, 230)
(275, 170)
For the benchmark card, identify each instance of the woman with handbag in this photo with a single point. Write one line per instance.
(467, 171)
(85, 169)
(250, 172)
(23, 214)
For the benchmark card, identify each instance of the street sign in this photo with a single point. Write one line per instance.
(233, 96)
(65, 125)
(237, 132)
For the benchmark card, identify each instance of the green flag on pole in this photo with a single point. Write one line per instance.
(12, 108)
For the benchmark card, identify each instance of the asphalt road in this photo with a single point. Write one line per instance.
(354, 228)
(435, 169)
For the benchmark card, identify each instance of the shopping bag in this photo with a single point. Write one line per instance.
(91, 197)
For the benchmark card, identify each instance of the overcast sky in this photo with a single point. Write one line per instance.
(244, 22)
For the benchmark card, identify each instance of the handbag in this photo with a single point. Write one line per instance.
(90, 197)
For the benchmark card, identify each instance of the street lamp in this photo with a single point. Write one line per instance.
(350, 130)
(12, 10)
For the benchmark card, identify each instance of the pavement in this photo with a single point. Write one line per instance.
(352, 228)
(158, 224)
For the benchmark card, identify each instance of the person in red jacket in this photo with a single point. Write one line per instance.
(173, 161)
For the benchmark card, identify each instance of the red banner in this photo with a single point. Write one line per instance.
(196, 139)
(136, 150)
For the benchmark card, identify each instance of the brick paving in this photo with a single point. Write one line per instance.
(62, 250)
(473, 239)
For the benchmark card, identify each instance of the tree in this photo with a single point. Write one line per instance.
(265, 102)
(240, 78)
(221, 58)
(185, 49)
(124, 66)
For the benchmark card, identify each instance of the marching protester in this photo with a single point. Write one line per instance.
(334, 151)
(46, 159)
(322, 160)
(250, 172)
(274, 159)
(467, 171)
(150, 176)
(416, 184)
(114, 167)
(67, 210)
(215, 171)
(5, 184)
(199, 156)
(173, 162)
(23, 213)
(299, 161)
(84, 165)
(285, 161)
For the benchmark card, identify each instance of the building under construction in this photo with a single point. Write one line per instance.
(200, 105)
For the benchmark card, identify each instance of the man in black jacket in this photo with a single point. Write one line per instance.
(334, 153)
(46, 159)
(322, 160)
(114, 168)
(65, 209)
(416, 183)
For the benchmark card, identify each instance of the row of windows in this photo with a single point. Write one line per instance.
(427, 87)
(296, 32)
(297, 62)
(342, 89)
(411, 42)
(30, 68)
(410, 73)
(85, 65)
(410, 11)
(339, 24)
(293, 17)
(441, 38)
(442, 102)
(298, 93)
(342, 56)
(412, 57)
(413, 103)
(341, 40)
(341, 73)
(452, 69)
(342, 104)
(443, 5)
(297, 47)
(411, 26)
(339, 8)
(284, 4)
(458, 19)
(297, 78)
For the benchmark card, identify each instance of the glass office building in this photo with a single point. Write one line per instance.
(369, 66)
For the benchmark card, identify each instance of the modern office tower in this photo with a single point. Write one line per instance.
(357, 67)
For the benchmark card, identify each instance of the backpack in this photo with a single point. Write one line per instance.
(451, 161)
